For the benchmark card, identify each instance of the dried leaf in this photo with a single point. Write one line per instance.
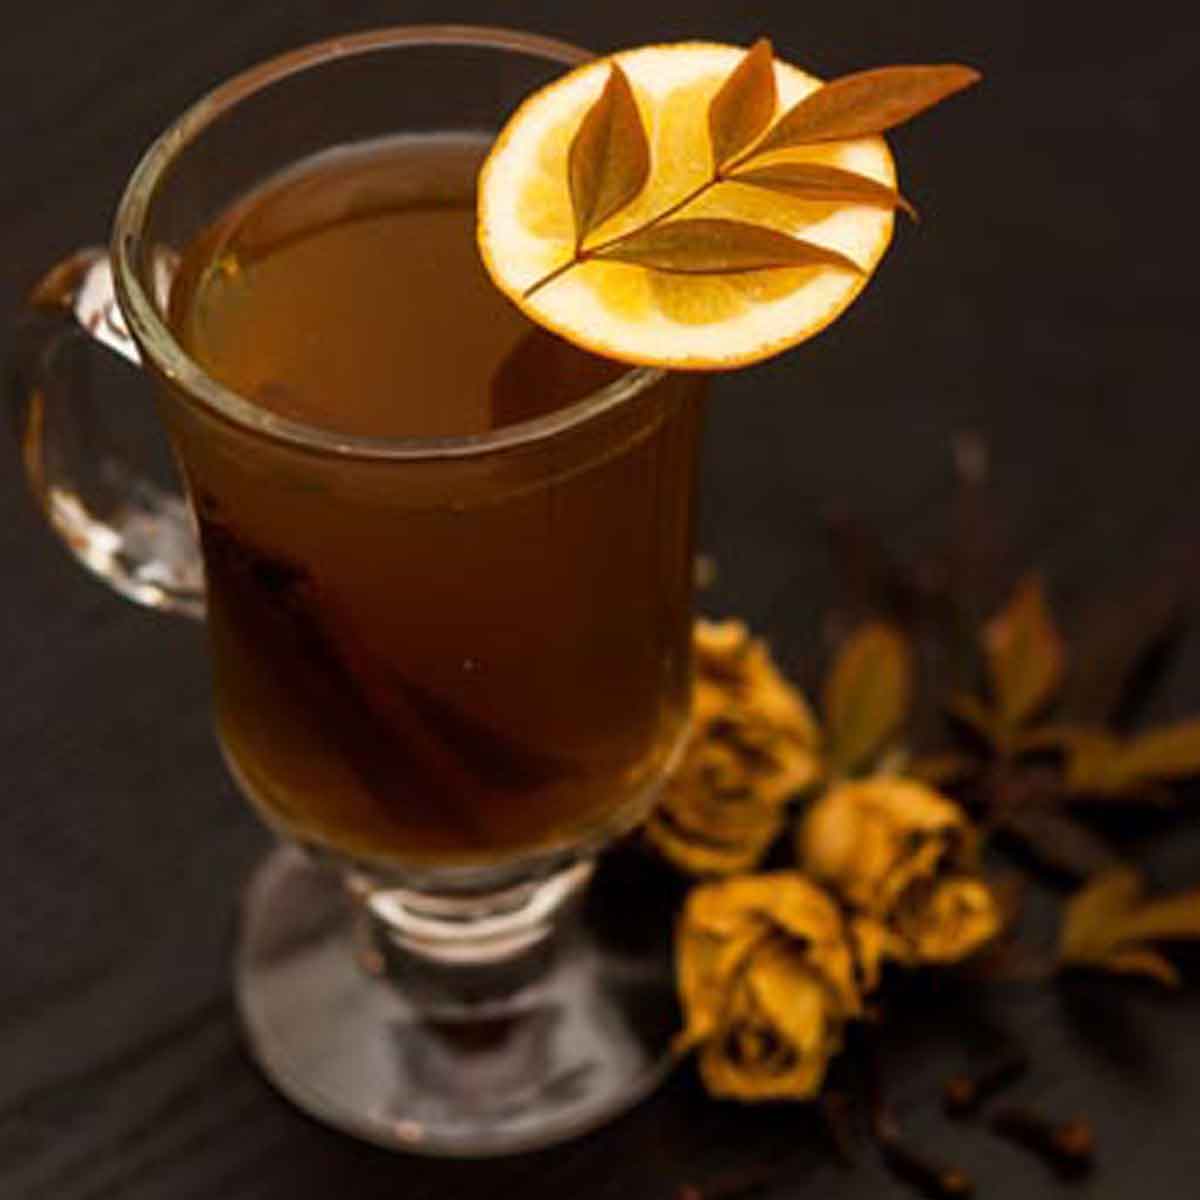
(867, 694)
(1171, 918)
(1139, 960)
(1101, 764)
(745, 104)
(1094, 762)
(865, 103)
(940, 770)
(1025, 655)
(609, 159)
(1108, 925)
(1059, 841)
(1093, 912)
(716, 246)
(1170, 753)
(818, 182)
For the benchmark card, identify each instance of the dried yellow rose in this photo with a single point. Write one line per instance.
(871, 839)
(766, 979)
(948, 920)
(754, 744)
(897, 851)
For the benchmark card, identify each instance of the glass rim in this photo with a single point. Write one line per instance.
(172, 361)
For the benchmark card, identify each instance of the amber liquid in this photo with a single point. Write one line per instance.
(450, 661)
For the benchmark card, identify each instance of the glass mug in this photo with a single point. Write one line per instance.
(447, 670)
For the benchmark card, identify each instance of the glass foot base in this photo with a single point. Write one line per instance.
(557, 1057)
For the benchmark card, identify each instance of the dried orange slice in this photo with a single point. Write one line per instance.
(664, 317)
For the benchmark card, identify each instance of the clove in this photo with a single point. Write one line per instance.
(963, 1095)
(932, 1179)
(1067, 1146)
(732, 1186)
(936, 1180)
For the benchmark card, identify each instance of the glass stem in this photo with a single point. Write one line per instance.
(464, 948)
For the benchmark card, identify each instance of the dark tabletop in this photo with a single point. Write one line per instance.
(1047, 303)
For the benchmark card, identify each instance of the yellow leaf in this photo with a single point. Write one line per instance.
(1108, 925)
(1093, 914)
(1025, 655)
(867, 694)
(1172, 918)
(1096, 760)
(1140, 960)
(939, 770)
(744, 105)
(1096, 763)
(609, 159)
(1168, 753)
(1100, 763)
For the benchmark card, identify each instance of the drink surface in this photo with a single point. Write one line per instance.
(348, 293)
(441, 662)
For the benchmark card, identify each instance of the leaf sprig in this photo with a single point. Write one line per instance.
(1040, 727)
(1025, 659)
(609, 163)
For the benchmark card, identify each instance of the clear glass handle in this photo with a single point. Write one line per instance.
(94, 451)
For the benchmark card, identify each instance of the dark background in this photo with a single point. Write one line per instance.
(1047, 303)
